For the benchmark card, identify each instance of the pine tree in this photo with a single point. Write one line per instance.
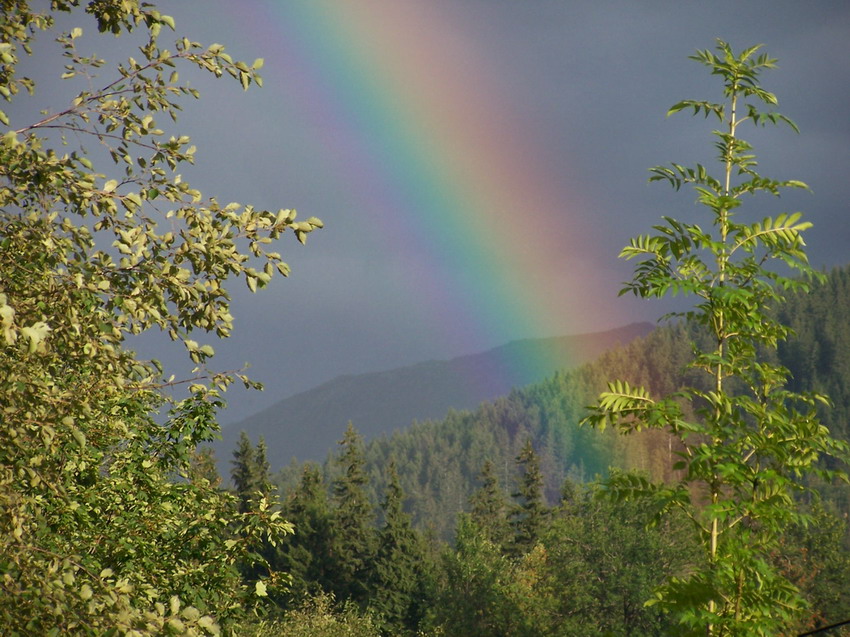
(306, 555)
(490, 507)
(530, 511)
(397, 571)
(354, 533)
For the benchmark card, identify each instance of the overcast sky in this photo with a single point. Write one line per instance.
(479, 163)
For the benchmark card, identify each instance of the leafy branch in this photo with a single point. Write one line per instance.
(753, 444)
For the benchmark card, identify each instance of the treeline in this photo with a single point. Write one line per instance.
(490, 521)
(517, 566)
(439, 461)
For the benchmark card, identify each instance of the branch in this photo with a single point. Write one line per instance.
(105, 91)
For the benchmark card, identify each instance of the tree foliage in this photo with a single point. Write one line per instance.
(745, 443)
(307, 555)
(353, 521)
(318, 616)
(588, 574)
(250, 473)
(489, 507)
(101, 239)
(399, 596)
(595, 563)
(528, 516)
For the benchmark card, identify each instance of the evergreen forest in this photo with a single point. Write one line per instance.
(494, 521)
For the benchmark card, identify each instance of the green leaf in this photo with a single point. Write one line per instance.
(79, 436)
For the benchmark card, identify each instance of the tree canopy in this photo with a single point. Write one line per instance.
(102, 239)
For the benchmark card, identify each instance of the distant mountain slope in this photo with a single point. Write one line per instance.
(308, 425)
(439, 462)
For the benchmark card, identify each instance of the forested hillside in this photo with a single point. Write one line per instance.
(518, 564)
(306, 426)
(819, 356)
(490, 521)
(439, 462)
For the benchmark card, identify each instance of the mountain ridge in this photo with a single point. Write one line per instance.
(307, 425)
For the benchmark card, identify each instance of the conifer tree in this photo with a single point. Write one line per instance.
(530, 511)
(250, 472)
(490, 507)
(306, 555)
(253, 487)
(203, 468)
(240, 472)
(263, 469)
(398, 564)
(354, 532)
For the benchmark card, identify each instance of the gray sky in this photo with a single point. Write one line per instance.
(404, 124)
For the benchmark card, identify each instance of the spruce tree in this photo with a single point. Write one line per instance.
(354, 532)
(241, 471)
(306, 555)
(490, 507)
(250, 472)
(530, 511)
(397, 572)
(263, 470)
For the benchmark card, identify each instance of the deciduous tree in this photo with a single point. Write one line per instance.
(97, 532)
(745, 442)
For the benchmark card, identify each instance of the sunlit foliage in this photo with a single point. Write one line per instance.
(101, 239)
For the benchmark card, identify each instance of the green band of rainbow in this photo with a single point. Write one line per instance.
(429, 142)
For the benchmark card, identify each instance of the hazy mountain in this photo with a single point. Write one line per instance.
(439, 462)
(307, 425)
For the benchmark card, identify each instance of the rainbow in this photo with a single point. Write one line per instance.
(411, 111)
